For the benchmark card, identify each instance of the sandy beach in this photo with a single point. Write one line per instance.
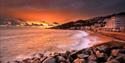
(22, 43)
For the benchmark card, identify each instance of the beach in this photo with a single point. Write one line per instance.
(19, 43)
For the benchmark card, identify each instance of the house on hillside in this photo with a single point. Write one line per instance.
(115, 23)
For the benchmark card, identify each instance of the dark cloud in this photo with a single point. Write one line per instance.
(81, 7)
(71, 4)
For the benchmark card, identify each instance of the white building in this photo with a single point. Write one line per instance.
(115, 23)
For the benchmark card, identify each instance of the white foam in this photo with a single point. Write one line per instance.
(79, 41)
(82, 40)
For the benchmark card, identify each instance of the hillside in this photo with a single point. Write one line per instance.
(6, 20)
(95, 22)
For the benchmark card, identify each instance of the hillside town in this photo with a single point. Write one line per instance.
(112, 23)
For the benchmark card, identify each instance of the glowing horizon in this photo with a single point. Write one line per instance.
(48, 15)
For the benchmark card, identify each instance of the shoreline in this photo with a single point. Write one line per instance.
(92, 35)
(73, 53)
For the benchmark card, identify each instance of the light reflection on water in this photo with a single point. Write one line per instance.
(20, 43)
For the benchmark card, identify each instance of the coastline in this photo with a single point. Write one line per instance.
(93, 37)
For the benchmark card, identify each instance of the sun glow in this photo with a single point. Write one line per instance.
(47, 15)
(42, 24)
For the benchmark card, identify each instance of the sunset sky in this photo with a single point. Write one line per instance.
(59, 10)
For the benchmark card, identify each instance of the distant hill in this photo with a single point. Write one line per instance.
(5, 20)
(12, 21)
(93, 22)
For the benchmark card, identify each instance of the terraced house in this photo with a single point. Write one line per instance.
(115, 23)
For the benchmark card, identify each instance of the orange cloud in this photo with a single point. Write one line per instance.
(47, 15)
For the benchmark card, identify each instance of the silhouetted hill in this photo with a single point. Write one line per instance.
(5, 20)
(96, 21)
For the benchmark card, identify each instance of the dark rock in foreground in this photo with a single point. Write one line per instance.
(111, 52)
